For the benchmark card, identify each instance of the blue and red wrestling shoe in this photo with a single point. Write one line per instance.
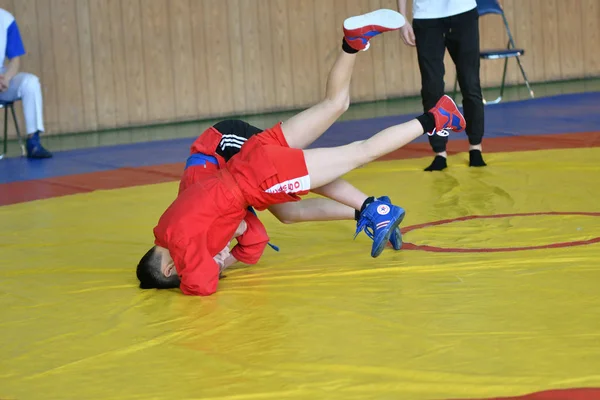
(362, 28)
(447, 117)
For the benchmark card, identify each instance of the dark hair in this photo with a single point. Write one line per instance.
(150, 275)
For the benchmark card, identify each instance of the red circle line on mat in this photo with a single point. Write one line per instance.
(557, 394)
(412, 246)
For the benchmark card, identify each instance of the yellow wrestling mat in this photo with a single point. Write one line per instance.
(472, 308)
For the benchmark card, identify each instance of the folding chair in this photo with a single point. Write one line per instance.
(493, 7)
(10, 105)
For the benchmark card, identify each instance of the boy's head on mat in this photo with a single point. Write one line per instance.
(156, 270)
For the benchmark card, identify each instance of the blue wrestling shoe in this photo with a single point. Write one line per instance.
(396, 236)
(379, 221)
(35, 148)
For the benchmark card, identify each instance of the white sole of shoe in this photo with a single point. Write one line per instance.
(389, 19)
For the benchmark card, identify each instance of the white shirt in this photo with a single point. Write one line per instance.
(429, 9)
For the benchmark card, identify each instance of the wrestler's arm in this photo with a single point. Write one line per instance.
(251, 242)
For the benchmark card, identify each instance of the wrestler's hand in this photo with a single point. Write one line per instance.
(4, 83)
(408, 35)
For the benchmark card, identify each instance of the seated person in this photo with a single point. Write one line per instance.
(15, 85)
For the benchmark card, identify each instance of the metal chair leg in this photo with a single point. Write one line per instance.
(499, 98)
(512, 42)
(5, 133)
(12, 108)
(531, 94)
(503, 78)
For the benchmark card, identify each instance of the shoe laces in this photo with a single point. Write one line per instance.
(363, 224)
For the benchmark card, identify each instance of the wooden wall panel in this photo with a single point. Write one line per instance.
(198, 82)
(328, 42)
(233, 26)
(266, 62)
(570, 37)
(282, 60)
(252, 56)
(183, 58)
(86, 66)
(590, 35)
(112, 63)
(395, 58)
(158, 60)
(402, 68)
(326, 48)
(214, 83)
(524, 37)
(135, 67)
(303, 39)
(8, 5)
(103, 64)
(66, 61)
(552, 50)
(117, 45)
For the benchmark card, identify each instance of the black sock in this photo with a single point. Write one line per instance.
(476, 159)
(347, 48)
(368, 201)
(438, 164)
(427, 121)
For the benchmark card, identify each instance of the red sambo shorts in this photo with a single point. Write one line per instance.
(268, 171)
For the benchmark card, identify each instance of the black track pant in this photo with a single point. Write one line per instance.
(460, 35)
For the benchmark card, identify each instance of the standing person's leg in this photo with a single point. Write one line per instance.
(27, 87)
(326, 165)
(463, 45)
(429, 36)
(304, 128)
